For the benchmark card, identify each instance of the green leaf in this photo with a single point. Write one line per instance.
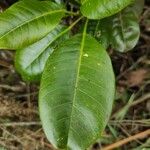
(101, 30)
(30, 61)
(121, 30)
(125, 30)
(76, 93)
(102, 8)
(27, 22)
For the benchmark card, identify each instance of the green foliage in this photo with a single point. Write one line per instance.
(26, 22)
(72, 113)
(30, 61)
(77, 86)
(121, 31)
(102, 8)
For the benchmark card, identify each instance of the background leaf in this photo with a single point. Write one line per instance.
(138, 7)
(76, 93)
(30, 61)
(125, 30)
(27, 22)
(102, 8)
(101, 30)
(121, 30)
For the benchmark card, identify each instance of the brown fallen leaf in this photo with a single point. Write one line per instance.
(136, 78)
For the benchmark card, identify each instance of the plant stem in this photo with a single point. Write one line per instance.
(65, 31)
(72, 13)
(69, 28)
(85, 26)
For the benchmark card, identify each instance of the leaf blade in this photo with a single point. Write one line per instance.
(26, 22)
(30, 61)
(102, 9)
(126, 31)
(64, 104)
(121, 31)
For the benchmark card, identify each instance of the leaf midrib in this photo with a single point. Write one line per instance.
(78, 72)
(122, 27)
(45, 14)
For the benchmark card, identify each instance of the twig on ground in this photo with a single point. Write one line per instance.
(3, 144)
(127, 134)
(26, 95)
(146, 121)
(12, 88)
(130, 68)
(141, 99)
(4, 64)
(12, 135)
(20, 124)
(127, 140)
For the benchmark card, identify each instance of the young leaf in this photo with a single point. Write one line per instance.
(30, 61)
(102, 8)
(76, 93)
(27, 22)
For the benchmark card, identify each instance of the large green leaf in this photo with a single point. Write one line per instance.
(30, 61)
(99, 9)
(76, 93)
(28, 21)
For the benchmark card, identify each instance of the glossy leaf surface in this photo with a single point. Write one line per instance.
(99, 9)
(121, 31)
(125, 30)
(27, 22)
(30, 61)
(76, 93)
